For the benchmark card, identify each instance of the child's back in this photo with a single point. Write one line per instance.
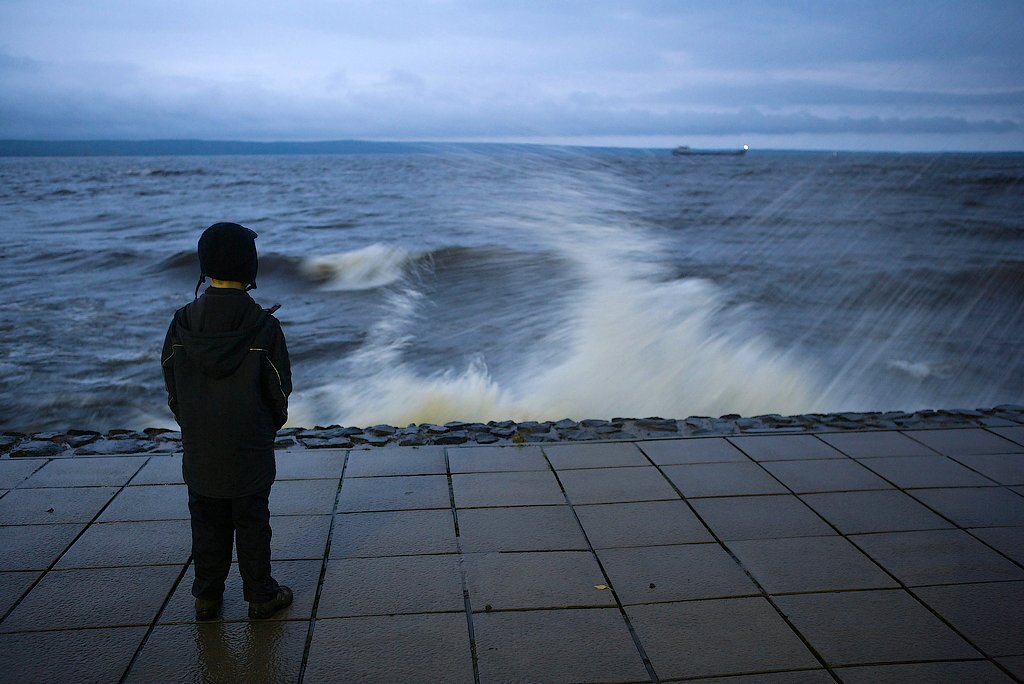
(228, 360)
(228, 377)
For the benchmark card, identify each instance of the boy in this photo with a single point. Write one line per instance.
(228, 379)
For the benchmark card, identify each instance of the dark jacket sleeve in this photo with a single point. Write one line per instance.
(167, 362)
(277, 381)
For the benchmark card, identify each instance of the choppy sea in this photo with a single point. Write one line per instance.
(516, 284)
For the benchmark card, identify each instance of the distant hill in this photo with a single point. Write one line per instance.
(155, 148)
(161, 148)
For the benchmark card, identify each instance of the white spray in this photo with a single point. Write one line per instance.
(632, 343)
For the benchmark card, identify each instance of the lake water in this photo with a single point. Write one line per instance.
(516, 284)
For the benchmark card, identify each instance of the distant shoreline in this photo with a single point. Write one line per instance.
(184, 148)
(510, 433)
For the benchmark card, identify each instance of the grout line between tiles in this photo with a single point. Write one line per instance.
(466, 600)
(45, 461)
(1010, 439)
(156, 620)
(641, 651)
(323, 571)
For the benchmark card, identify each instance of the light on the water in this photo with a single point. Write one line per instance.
(746, 147)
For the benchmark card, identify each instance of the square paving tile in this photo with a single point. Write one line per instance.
(556, 645)
(975, 671)
(805, 564)
(646, 523)
(523, 528)
(723, 479)
(391, 648)
(556, 579)
(153, 542)
(89, 655)
(1014, 434)
(937, 557)
(1008, 540)
(990, 615)
(303, 497)
(975, 507)
(877, 511)
(53, 505)
(12, 586)
(760, 517)
(70, 599)
(150, 502)
(831, 475)
(13, 471)
(92, 472)
(160, 470)
(496, 459)
(857, 627)
(301, 577)
(385, 586)
(507, 489)
(610, 454)
(784, 447)
(674, 573)
(611, 485)
(926, 471)
(295, 537)
(968, 441)
(310, 465)
(875, 444)
(393, 533)
(1007, 469)
(299, 536)
(404, 461)
(34, 547)
(222, 652)
(394, 493)
(718, 637)
(698, 450)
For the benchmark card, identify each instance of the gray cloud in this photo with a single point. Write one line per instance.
(402, 103)
(477, 69)
(789, 93)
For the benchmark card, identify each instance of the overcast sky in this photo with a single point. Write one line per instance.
(903, 74)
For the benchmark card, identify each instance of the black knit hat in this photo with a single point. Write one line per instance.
(227, 251)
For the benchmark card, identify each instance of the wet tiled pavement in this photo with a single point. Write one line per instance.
(854, 557)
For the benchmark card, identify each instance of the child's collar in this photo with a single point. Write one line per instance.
(226, 284)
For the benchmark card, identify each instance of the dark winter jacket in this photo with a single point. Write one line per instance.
(228, 378)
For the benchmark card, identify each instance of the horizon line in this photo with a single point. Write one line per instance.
(9, 146)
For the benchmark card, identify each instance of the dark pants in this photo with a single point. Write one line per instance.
(214, 523)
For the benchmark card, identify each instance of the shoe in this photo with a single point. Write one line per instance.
(261, 610)
(208, 609)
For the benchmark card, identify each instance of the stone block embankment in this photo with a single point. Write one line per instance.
(154, 440)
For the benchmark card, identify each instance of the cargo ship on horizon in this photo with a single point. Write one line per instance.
(686, 150)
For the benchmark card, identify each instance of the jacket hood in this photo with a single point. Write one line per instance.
(218, 354)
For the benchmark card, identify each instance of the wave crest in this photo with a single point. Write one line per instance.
(363, 269)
